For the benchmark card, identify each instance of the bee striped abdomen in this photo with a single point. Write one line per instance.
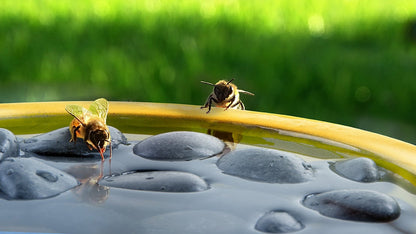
(235, 102)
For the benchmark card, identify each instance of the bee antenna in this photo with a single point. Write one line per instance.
(230, 81)
(204, 82)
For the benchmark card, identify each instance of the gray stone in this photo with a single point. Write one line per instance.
(266, 165)
(357, 205)
(9, 146)
(28, 178)
(278, 222)
(179, 146)
(161, 181)
(358, 169)
(57, 143)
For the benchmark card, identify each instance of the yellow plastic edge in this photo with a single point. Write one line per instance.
(395, 151)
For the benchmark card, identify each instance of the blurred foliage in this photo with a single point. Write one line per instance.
(351, 62)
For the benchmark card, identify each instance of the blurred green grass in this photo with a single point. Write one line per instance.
(350, 62)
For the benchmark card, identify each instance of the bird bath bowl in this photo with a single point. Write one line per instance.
(271, 173)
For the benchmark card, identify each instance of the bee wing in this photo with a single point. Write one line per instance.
(245, 92)
(99, 108)
(77, 111)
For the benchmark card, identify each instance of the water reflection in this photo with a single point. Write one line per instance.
(89, 175)
(231, 139)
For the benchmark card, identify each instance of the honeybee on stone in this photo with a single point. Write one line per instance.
(90, 125)
(225, 95)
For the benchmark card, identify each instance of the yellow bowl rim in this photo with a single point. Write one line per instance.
(395, 151)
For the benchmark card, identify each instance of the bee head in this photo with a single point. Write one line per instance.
(97, 134)
(99, 138)
(223, 89)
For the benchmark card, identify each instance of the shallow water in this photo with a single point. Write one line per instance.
(230, 205)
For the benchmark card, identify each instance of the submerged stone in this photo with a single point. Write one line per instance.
(9, 147)
(57, 143)
(358, 169)
(161, 181)
(179, 146)
(278, 222)
(266, 165)
(357, 205)
(28, 178)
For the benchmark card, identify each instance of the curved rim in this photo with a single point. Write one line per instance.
(392, 150)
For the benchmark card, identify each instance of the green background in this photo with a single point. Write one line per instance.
(351, 62)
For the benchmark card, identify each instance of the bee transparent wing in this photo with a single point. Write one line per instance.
(245, 92)
(77, 111)
(99, 108)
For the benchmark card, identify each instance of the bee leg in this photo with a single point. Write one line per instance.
(208, 103)
(209, 106)
(74, 134)
(228, 106)
(102, 154)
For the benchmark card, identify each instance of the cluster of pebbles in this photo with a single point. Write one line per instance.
(190, 162)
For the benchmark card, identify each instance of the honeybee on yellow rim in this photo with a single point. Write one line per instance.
(90, 125)
(226, 95)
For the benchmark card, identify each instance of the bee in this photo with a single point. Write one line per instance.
(90, 125)
(225, 95)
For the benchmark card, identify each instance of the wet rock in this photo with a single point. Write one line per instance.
(57, 143)
(358, 169)
(161, 181)
(278, 222)
(266, 165)
(28, 178)
(179, 146)
(357, 205)
(9, 146)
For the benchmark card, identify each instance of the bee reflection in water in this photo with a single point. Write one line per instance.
(89, 175)
(230, 139)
